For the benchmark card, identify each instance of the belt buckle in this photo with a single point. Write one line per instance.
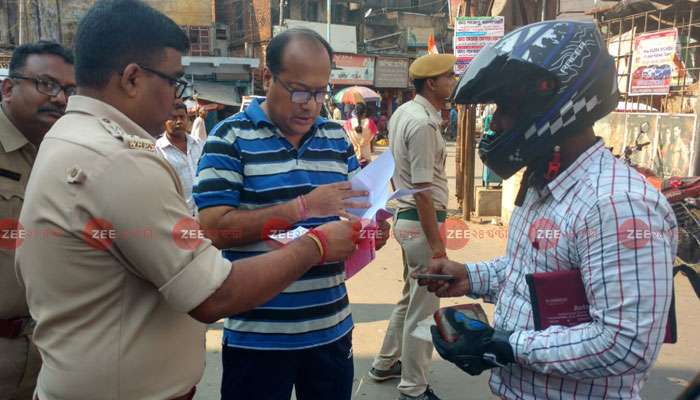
(28, 325)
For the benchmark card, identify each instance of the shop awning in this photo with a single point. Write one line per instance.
(217, 92)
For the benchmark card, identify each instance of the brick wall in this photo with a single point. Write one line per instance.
(200, 40)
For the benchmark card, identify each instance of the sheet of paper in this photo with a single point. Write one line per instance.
(375, 179)
(422, 330)
(406, 192)
(375, 175)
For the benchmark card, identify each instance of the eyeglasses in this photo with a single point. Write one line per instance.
(304, 96)
(47, 86)
(179, 84)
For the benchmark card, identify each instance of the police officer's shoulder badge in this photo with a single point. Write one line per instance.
(132, 141)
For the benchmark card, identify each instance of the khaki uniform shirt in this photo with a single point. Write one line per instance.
(419, 150)
(111, 304)
(16, 158)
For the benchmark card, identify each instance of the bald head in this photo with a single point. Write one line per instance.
(297, 42)
(296, 77)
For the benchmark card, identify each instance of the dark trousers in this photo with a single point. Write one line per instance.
(320, 373)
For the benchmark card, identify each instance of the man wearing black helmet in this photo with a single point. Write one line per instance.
(551, 81)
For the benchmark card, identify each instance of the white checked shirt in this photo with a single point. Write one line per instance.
(185, 165)
(594, 205)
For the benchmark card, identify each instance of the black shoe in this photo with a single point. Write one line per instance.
(380, 375)
(427, 395)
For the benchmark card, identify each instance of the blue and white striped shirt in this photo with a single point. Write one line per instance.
(248, 164)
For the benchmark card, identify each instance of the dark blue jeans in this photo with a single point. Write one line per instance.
(320, 373)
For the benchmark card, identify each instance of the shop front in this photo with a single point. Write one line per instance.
(351, 70)
(391, 81)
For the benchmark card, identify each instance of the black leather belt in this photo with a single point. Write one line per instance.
(15, 327)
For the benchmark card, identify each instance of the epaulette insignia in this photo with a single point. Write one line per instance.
(133, 142)
(137, 143)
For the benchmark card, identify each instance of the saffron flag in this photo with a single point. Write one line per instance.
(432, 47)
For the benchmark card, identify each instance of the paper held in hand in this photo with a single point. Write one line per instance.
(375, 179)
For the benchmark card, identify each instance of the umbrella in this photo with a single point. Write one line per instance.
(356, 94)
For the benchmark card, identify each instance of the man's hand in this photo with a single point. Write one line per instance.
(383, 233)
(478, 347)
(333, 200)
(459, 286)
(341, 238)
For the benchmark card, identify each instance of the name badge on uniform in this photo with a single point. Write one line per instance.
(136, 143)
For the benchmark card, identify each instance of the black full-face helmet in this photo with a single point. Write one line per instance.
(559, 77)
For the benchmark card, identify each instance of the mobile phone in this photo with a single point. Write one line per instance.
(435, 277)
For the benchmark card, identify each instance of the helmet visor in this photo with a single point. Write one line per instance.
(478, 80)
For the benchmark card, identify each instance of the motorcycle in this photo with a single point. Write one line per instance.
(683, 193)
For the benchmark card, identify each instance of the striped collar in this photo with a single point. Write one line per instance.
(575, 172)
(258, 117)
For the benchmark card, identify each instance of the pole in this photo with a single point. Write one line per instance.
(328, 21)
(22, 22)
(544, 9)
(281, 19)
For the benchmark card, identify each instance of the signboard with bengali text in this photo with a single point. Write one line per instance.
(391, 72)
(471, 35)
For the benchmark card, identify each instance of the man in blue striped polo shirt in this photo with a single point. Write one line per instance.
(278, 165)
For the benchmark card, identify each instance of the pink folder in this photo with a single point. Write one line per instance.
(365, 252)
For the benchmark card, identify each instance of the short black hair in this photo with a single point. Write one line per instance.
(180, 106)
(275, 49)
(42, 47)
(419, 84)
(116, 33)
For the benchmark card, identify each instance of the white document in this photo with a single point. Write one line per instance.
(375, 179)
(422, 330)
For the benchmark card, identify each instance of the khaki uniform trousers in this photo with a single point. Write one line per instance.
(20, 363)
(416, 304)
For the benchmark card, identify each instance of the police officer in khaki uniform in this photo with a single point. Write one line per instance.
(117, 277)
(419, 150)
(33, 98)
